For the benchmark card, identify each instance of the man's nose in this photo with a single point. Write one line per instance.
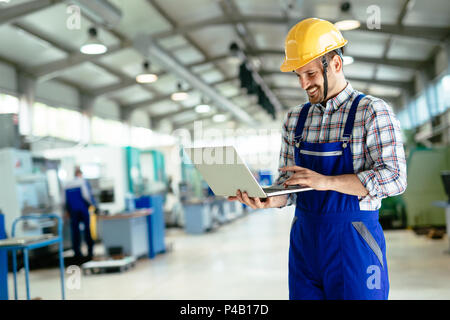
(304, 83)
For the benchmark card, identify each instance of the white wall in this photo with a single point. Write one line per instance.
(104, 108)
(8, 80)
(140, 118)
(57, 95)
(441, 64)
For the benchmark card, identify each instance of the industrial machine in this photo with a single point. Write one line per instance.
(445, 175)
(424, 176)
(30, 186)
(145, 171)
(393, 213)
(10, 137)
(24, 190)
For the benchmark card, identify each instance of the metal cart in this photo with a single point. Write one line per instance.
(28, 243)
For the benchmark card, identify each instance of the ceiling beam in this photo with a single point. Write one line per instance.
(159, 98)
(182, 110)
(181, 124)
(19, 11)
(244, 34)
(432, 34)
(53, 69)
(174, 24)
(405, 9)
(120, 75)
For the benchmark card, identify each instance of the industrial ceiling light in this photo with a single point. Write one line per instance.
(203, 107)
(219, 118)
(93, 45)
(180, 95)
(146, 76)
(346, 20)
(348, 60)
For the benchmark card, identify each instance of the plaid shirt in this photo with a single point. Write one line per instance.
(376, 143)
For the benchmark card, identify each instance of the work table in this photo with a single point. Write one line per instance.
(127, 215)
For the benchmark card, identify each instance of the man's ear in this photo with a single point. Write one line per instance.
(337, 63)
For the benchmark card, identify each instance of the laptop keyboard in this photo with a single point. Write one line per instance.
(281, 188)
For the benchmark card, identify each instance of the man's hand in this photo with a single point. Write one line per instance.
(345, 183)
(307, 177)
(258, 203)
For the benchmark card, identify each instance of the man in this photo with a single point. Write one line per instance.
(79, 197)
(348, 147)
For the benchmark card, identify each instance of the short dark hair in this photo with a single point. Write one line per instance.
(78, 171)
(331, 54)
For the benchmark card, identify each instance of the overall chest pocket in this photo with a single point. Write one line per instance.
(322, 153)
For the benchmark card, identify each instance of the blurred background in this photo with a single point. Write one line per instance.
(118, 88)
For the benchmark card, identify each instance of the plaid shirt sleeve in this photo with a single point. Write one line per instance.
(286, 155)
(384, 172)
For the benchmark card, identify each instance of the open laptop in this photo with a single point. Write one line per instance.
(225, 172)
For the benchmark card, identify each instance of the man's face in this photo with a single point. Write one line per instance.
(310, 77)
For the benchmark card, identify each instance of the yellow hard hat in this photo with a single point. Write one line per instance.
(308, 40)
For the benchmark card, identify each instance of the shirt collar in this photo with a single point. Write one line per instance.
(341, 98)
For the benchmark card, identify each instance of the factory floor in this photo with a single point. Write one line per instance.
(244, 259)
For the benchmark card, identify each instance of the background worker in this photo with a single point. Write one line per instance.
(79, 197)
(348, 147)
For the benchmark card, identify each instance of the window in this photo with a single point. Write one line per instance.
(108, 132)
(56, 122)
(422, 112)
(141, 137)
(411, 110)
(444, 93)
(8, 104)
(405, 121)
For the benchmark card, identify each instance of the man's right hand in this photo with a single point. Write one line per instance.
(259, 203)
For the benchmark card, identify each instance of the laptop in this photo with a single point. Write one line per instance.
(225, 172)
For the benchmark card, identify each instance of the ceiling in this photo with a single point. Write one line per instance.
(198, 33)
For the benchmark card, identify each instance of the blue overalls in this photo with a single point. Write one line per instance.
(337, 251)
(78, 199)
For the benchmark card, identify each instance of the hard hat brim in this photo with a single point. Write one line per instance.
(289, 66)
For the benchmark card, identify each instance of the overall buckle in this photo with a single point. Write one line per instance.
(297, 141)
(346, 140)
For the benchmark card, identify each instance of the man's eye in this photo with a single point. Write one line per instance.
(311, 74)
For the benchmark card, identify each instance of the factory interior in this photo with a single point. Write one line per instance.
(110, 93)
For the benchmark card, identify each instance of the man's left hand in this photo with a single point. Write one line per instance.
(307, 177)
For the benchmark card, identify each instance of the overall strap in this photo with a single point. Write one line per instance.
(351, 119)
(301, 122)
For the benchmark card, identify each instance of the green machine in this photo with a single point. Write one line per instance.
(191, 177)
(425, 187)
(145, 168)
(393, 213)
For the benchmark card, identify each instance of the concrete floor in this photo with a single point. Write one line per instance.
(245, 259)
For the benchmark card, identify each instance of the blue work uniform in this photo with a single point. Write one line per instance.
(337, 251)
(78, 199)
